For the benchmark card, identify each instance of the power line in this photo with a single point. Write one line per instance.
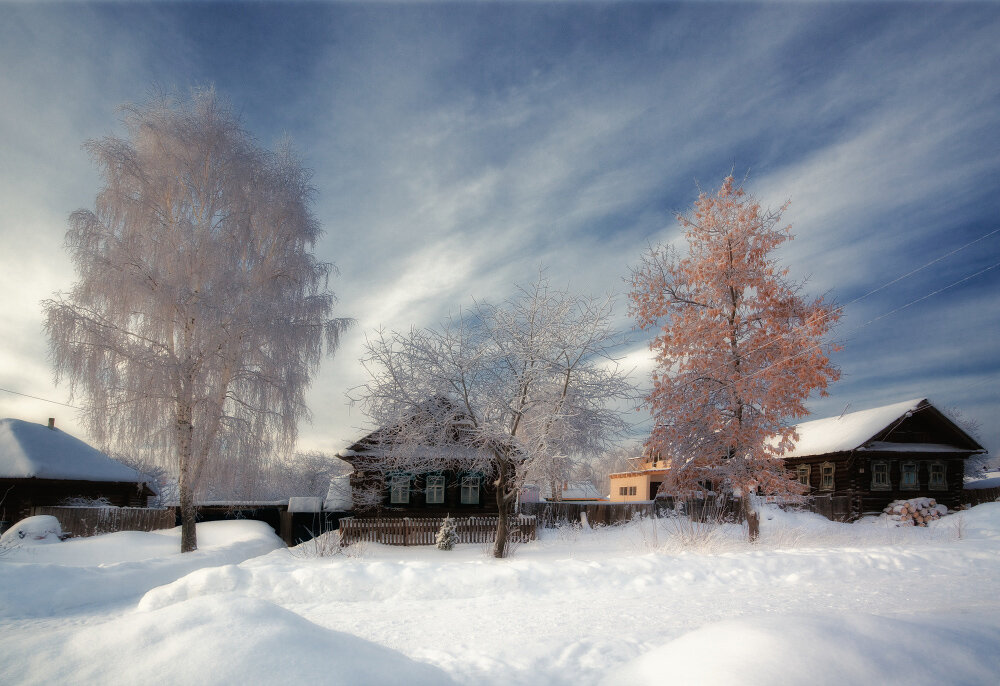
(44, 400)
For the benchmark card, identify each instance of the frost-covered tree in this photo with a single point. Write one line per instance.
(200, 311)
(521, 384)
(738, 350)
(447, 535)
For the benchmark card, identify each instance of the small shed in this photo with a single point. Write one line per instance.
(859, 462)
(41, 466)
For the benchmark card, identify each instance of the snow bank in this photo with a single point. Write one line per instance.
(114, 568)
(832, 649)
(32, 530)
(578, 561)
(220, 640)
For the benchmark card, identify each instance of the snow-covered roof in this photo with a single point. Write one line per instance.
(577, 490)
(29, 450)
(855, 430)
(339, 497)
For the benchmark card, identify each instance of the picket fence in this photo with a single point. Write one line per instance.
(90, 521)
(423, 530)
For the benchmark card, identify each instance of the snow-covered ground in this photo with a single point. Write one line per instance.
(813, 601)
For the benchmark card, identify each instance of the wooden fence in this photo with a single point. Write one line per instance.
(423, 530)
(551, 515)
(977, 496)
(90, 521)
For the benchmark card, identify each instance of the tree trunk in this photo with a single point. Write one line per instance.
(753, 519)
(189, 536)
(504, 479)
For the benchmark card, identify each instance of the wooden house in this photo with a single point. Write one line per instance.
(640, 483)
(439, 479)
(42, 466)
(859, 462)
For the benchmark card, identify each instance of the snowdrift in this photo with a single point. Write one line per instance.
(220, 640)
(835, 650)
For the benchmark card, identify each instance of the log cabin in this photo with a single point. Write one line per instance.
(859, 462)
(42, 466)
(439, 479)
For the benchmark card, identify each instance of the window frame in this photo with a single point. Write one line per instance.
(931, 485)
(832, 466)
(875, 485)
(467, 484)
(804, 470)
(905, 468)
(399, 484)
(437, 488)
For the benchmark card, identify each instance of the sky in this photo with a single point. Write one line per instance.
(458, 148)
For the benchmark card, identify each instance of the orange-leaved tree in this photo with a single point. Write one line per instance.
(738, 349)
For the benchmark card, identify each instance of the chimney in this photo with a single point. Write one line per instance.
(52, 423)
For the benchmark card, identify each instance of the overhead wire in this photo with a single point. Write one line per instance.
(44, 400)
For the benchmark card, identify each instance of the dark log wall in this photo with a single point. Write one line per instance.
(418, 505)
(853, 477)
(20, 495)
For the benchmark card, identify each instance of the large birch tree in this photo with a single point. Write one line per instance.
(738, 348)
(527, 382)
(200, 311)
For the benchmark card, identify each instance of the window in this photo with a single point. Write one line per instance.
(399, 489)
(470, 490)
(908, 476)
(631, 490)
(937, 478)
(623, 490)
(435, 489)
(827, 471)
(803, 473)
(880, 476)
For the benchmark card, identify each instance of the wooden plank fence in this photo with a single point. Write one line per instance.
(554, 514)
(977, 496)
(423, 530)
(90, 521)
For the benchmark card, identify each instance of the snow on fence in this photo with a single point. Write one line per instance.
(90, 521)
(423, 530)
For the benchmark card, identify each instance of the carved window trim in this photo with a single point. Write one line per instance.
(802, 473)
(942, 483)
(881, 479)
(828, 476)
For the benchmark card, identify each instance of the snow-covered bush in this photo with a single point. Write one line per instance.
(447, 535)
(81, 501)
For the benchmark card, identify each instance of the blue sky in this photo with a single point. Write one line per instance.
(456, 148)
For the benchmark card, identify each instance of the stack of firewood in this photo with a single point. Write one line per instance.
(915, 511)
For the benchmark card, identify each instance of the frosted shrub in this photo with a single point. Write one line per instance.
(328, 545)
(447, 535)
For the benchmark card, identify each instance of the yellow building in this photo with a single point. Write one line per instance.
(639, 483)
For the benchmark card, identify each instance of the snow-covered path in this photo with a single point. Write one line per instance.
(577, 607)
